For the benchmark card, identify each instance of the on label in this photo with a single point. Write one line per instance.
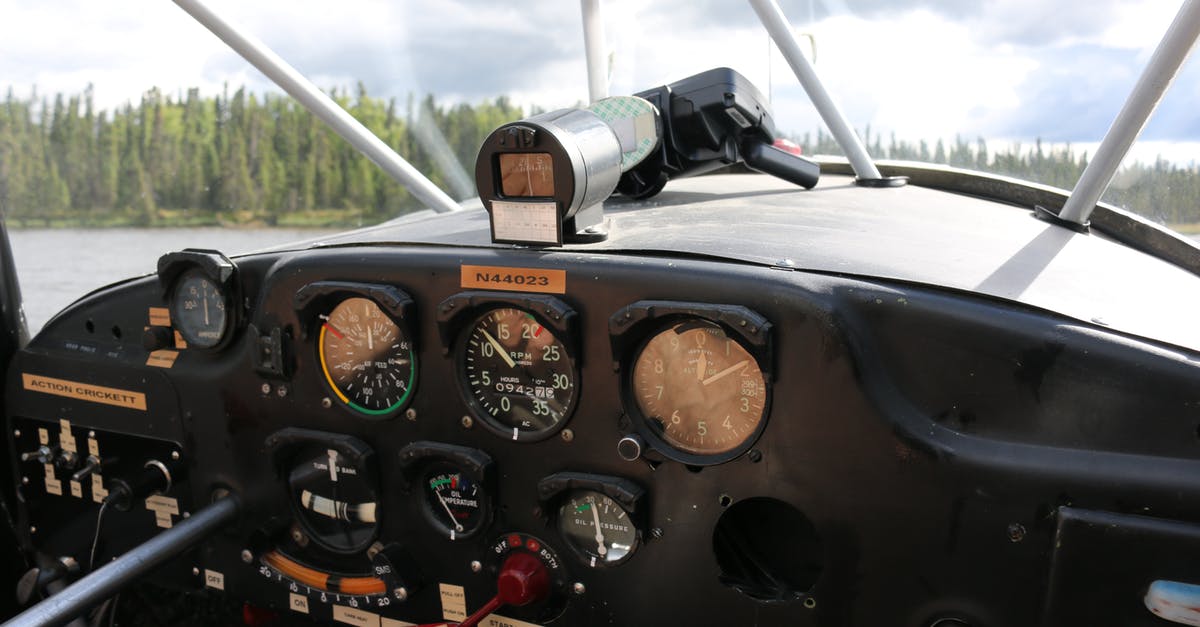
(76, 489)
(213, 579)
(352, 616)
(298, 602)
(454, 602)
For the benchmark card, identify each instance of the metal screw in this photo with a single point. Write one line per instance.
(266, 388)
(467, 423)
(247, 556)
(32, 530)
(810, 603)
(175, 455)
(16, 433)
(568, 435)
(401, 594)
(411, 414)
(578, 587)
(281, 391)
(24, 480)
(656, 533)
(755, 456)
(326, 403)
(91, 434)
(476, 566)
(1016, 532)
(374, 550)
(298, 537)
(187, 514)
(195, 571)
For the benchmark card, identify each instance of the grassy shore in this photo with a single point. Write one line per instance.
(178, 218)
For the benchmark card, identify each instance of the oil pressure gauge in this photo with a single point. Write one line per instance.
(597, 528)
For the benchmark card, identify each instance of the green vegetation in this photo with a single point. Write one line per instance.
(236, 159)
(244, 159)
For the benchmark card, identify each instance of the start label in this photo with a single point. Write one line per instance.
(84, 391)
(514, 279)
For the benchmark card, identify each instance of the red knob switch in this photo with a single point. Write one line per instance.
(523, 580)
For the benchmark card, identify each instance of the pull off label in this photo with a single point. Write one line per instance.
(85, 392)
(514, 279)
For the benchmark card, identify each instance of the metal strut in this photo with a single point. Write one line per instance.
(101, 584)
(322, 106)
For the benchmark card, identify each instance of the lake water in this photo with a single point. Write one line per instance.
(57, 266)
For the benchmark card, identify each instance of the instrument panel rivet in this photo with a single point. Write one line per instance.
(1016, 532)
(195, 571)
(754, 455)
(32, 530)
(24, 480)
(568, 435)
(266, 388)
(281, 391)
(91, 434)
(247, 556)
(16, 433)
(476, 566)
(656, 533)
(175, 455)
(374, 550)
(186, 514)
(326, 403)
(578, 587)
(810, 603)
(467, 423)
(411, 414)
(401, 594)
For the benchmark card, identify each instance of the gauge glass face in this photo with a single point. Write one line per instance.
(597, 528)
(334, 499)
(698, 389)
(528, 174)
(198, 310)
(455, 501)
(519, 377)
(367, 358)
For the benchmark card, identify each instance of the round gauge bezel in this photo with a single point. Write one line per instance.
(464, 385)
(343, 400)
(581, 554)
(642, 425)
(437, 467)
(222, 290)
(304, 519)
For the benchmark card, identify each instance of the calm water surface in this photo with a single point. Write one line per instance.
(57, 266)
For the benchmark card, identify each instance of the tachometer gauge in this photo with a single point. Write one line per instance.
(454, 500)
(698, 389)
(367, 357)
(597, 528)
(199, 310)
(519, 377)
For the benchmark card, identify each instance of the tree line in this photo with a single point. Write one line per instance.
(262, 159)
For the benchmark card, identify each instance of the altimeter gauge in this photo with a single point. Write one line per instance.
(519, 377)
(367, 357)
(698, 389)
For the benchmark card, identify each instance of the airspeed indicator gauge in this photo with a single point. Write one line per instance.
(367, 357)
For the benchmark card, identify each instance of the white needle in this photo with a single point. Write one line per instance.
(701, 367)
(457, 527)
(600, 548)
(499, 349)
(204, 299)
(726, 372)
(370, 339)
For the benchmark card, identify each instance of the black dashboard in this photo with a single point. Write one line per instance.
(673, 439)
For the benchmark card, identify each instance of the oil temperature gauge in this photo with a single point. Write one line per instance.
(454, 501)
(597, 528)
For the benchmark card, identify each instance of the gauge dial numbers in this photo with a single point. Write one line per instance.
(199, 310)
(455, 501)
(517, 375)
(597, 529)
(367, 358)
(699, 390)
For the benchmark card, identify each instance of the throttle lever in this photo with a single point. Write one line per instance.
(523, 580)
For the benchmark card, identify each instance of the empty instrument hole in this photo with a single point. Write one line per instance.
(90, 326)
(767, 550)
(116, 331)
(725, 500)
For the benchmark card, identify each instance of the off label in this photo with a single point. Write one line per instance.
(214, 580)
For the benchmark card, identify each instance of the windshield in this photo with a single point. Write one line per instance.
(1017, 88)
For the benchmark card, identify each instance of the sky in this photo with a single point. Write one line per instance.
(1004, 70)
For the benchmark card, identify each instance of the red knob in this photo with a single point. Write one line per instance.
(523, 580)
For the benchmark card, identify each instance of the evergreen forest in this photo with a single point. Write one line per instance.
(253, 159)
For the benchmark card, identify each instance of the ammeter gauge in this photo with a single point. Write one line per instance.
(597, 528)
(519, 377)
(198, 309)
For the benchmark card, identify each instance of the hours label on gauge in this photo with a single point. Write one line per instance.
(519, 376)
(367, 357)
